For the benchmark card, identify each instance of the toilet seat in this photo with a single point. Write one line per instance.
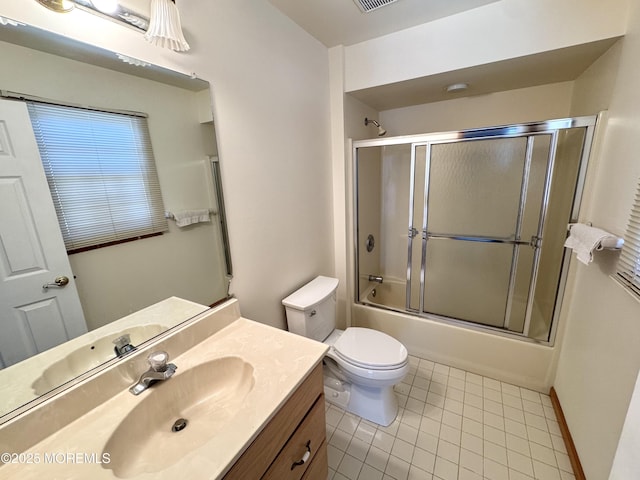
(370, 349)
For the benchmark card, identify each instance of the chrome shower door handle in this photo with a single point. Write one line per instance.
(60, 282)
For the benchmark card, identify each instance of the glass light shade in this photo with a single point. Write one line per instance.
(60, 6)
(164, 26)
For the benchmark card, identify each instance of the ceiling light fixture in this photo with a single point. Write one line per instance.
(164, 26)
(457, 87)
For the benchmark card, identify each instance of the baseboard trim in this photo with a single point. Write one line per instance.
(566, 436)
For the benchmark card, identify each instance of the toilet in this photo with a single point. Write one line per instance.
(361, 366)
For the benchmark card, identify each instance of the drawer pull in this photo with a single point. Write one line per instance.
(305, 457)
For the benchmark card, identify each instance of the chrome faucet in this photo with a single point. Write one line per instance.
(159, 370)
(376, 278)
(123, 345)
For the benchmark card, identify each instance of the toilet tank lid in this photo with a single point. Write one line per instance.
(312, 293)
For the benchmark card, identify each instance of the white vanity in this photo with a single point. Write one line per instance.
(245, 402)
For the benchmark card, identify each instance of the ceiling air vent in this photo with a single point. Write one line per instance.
(370, 5)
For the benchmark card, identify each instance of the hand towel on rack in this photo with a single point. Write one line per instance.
(584, 240)
(189, 217)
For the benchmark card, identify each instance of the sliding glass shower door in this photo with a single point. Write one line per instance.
(481, 220)
(487, 214)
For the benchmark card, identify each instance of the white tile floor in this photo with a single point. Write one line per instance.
(452, 425)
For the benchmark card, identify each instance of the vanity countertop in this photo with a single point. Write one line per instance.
(280, 362)
(18, 383)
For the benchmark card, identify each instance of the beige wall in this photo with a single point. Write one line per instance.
(272, 106)
(501, 108)
(600, 358)
(270, 82)
(626, 463)
(497, 31)
(116, 281)
(271, 101)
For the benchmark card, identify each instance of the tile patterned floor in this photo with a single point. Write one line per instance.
(452, 425)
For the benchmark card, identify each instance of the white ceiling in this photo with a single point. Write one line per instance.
(336, 22)
(561, 65)
(341, 22)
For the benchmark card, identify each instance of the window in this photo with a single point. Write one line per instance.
(629, 263)
(101, 174)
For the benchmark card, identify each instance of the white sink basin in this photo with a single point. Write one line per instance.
(176, 416)
(90, 356)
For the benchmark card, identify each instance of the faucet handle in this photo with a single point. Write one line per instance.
(158, 360)
(122, 341)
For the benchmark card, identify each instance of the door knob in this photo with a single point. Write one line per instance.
(60, 281)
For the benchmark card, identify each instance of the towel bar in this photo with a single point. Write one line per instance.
(171, 216)
(569, 225)
(618, 243)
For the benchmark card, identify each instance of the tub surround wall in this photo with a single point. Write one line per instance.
(369, 220)
(354, 113)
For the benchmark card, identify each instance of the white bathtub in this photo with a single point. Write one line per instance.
(391, 293)
(523, 363)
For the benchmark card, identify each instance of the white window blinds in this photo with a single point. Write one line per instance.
(629, 263)
(101, 174)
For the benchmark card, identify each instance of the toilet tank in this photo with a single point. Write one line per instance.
(311, 310)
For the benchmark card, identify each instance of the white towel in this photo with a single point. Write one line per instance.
(584, 240)
(189, 217)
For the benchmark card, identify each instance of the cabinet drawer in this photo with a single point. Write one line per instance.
(312, 432)
(255, 461)
(319, 468)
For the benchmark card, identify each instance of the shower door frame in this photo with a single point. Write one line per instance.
(548, 127)
(516, 242)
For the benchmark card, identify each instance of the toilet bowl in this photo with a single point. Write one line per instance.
(372, 362)
(361, 366)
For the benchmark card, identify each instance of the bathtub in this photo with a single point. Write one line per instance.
(392, 293)
(458, 344)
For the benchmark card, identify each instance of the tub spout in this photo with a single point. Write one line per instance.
(376, 278)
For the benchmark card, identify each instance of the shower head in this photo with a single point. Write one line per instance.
(381, 131)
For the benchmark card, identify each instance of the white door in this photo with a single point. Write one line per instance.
(32, 252)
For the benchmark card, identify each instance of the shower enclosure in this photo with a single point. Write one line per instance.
(469, 226)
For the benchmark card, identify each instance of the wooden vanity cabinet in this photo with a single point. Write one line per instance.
(283, 442)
